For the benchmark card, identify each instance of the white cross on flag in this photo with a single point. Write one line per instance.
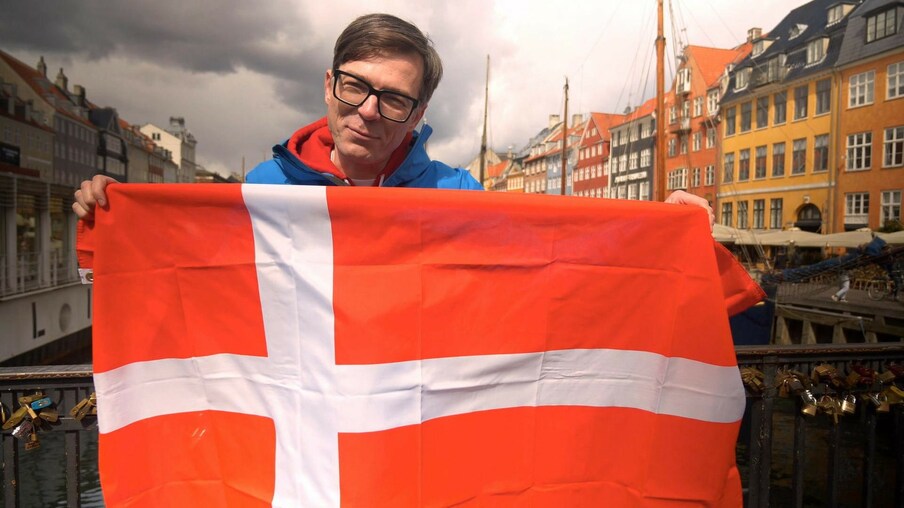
(306, 346)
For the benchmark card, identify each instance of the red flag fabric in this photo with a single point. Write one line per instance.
(306, 346)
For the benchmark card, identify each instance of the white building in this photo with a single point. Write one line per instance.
(181, 144)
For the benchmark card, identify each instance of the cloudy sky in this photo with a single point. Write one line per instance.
(245, 75)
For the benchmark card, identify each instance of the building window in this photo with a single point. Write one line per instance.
(881, 25)
(712, 102)
(695, 177)
(645, 157)
(644, 191)
(760, 164)
(762, 112)
(759, 213)
(895, 86)
(698, 106)
(743, 167)
(728, 168)
(856, 208)
(726, 214)
(632, 160)
(682, 145)
(632, 191)
(730, 115)
(741, 79)
(779, 105)
(672, 145)
(893, 150)
(775, 214)
(891, 207)
(821, 153)
(860, 91)
(835, 15)
(799, 157)
(816, 50)
(710, 138)
(673, 115)
(859, 151)
(742, 215)
(823, 96)
(678, 179)
(698, 140)
(778, 159)
(800, 102)
(710, 177)
(745, 116)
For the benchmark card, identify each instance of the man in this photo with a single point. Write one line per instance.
(384, 73)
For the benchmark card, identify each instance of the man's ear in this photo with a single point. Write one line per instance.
(327, 81)
(417, 116)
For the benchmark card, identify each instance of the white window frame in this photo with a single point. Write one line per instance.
(709, 178)
(890, 208)
(895, 81)
(859, 151)
(861, 88)
(893, 147)
(856, 208)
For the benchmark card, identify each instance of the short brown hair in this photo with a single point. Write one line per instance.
(383, 34)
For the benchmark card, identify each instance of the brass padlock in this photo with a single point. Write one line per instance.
(809, 403)
(879, 401)
(16, 418)
(849, 404)
(32, 442)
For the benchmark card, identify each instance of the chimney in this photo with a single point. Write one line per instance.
(80, 93)
(177, 122)
(62, 82)
(42, 67)
(754, 34)
(553, 120)
(577, 119)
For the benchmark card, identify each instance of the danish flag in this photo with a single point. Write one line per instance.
(291, 346)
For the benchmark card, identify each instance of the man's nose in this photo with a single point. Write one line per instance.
(370, 109)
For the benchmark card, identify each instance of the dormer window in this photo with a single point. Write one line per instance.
(796, 30)
(758, 48)
(816, 50)
(881, 25)
(742, 77)
(835, 15)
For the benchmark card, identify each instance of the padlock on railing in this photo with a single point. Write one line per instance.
(849, 404)
(809, 405)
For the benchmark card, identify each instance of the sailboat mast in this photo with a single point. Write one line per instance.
(483, 140)
(659, 172)
(565, 141)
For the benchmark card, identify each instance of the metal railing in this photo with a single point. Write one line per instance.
(66, 385)
(792, 457)
(786, 458)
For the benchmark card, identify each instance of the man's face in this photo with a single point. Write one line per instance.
(364, 139)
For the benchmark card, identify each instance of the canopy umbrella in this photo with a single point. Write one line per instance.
(791, 236)
(728, 234)
(846, 239)
(896, 238)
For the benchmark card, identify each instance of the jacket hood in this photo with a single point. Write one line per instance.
(313, 144)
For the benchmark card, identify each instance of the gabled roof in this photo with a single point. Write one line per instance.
(43, 87)
(645, 109)
(497, 169)
(711, 62)
(603, 122)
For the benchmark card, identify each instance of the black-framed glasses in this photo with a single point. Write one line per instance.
(352, 90)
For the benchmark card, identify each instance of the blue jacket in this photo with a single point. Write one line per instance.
(417, 170)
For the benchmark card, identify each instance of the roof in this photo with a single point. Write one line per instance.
(711, 62)
(604, 121)
(854, 46)
(645, 109)
(42, 87)
(497, 169)
(790, 38)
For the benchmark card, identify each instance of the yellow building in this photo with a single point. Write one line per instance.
(777, 116)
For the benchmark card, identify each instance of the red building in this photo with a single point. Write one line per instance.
(593, 155)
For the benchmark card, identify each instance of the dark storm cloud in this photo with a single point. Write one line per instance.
(220, 36)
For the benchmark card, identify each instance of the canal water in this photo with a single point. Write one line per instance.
(42, 472)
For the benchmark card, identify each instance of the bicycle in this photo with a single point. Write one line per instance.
(879, 288)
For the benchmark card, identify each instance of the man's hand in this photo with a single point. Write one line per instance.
(683, 198)
(91, 194)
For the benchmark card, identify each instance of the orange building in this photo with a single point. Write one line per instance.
(593, 155)
(870, 134)
(692, 137)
